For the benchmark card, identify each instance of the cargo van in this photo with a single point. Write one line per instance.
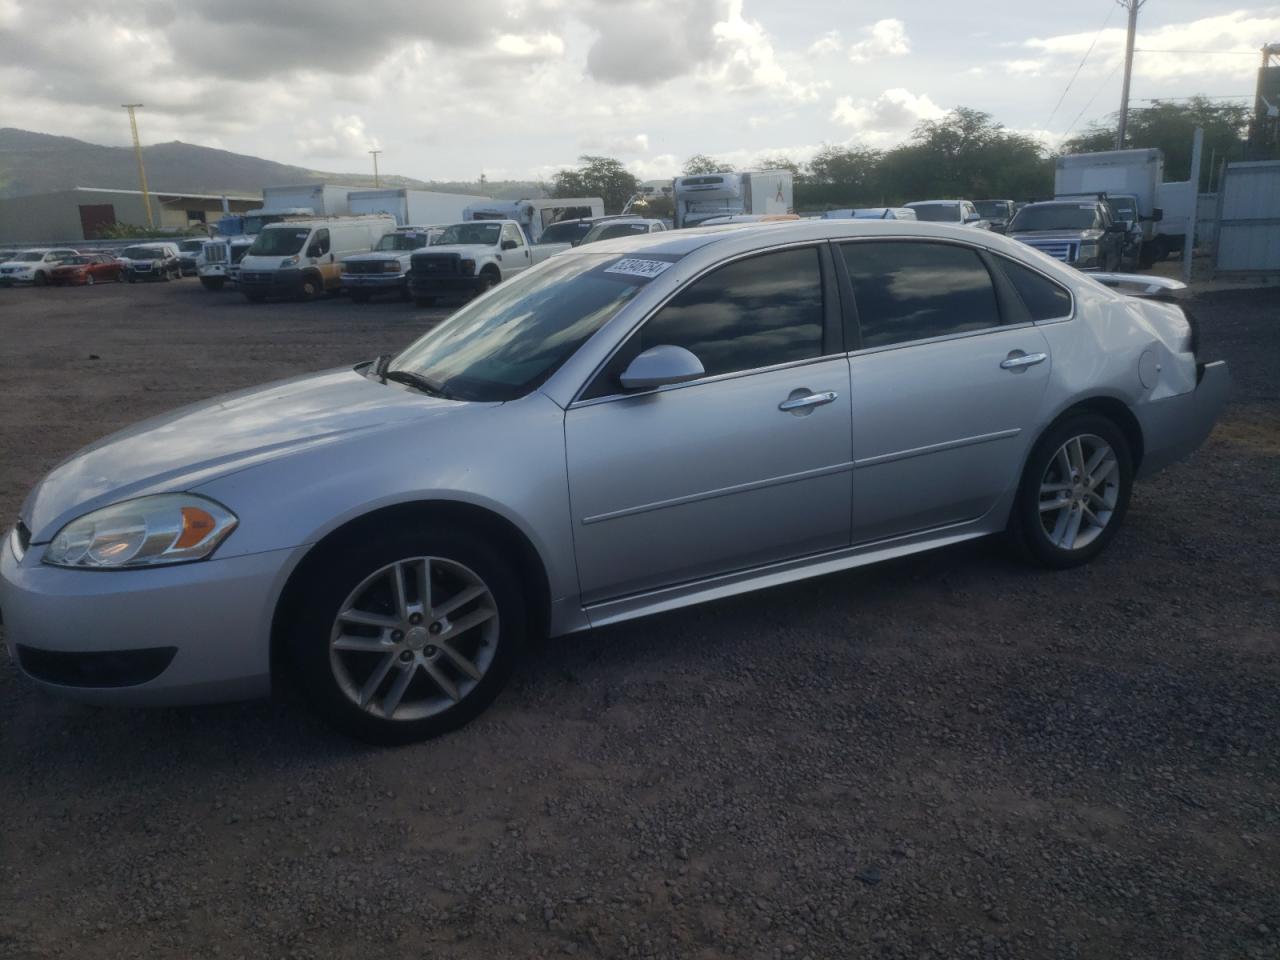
(301, 259)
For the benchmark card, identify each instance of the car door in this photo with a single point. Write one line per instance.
(947, 380)
(514, 259)
(746, 465)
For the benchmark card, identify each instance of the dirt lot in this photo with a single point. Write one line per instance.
(948, 756)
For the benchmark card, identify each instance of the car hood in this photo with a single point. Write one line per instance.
(204, 441)
(1056, 234)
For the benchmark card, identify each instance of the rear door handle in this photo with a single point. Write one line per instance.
(1023, 360)
(806, 400)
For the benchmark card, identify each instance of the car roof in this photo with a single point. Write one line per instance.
(936, 203)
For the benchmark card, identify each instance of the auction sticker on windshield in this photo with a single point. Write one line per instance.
(633, 267)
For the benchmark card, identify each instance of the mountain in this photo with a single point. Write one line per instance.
(40, 163)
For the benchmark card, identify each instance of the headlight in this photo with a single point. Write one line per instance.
(468, 266)
(289, 261)
(167, 528)
(391, 266)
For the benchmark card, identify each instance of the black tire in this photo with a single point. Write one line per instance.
(332, 579)
(131, 278)
(1026, 529)
(488, 280)
(212, 283)
(39, 280)
(311, 287)
(360, 296)
(88, 280)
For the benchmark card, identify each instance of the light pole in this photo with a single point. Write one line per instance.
(374, 154)
(1133, 6)
(142, 170)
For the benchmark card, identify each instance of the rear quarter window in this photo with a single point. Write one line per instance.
(1043, 298)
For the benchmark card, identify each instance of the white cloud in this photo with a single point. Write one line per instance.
(1029, 68)
(895, 109)
(531, 47)
(829, 42)
(345, 138)
(748, 62)
(639, 143)
(884, 38)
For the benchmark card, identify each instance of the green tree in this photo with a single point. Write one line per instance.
(780, 162)
(602, 177)
(840, 177)
(1170, 127)
(701, 163)
(966, 154)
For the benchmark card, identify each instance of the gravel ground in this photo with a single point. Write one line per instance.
(947, 756)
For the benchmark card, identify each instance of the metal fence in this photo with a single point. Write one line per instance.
(1248, 239)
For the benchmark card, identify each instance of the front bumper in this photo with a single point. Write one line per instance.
(1174, 427)
(286, 282)
(152, 273)
(373, 281)
(435, 286)
(197, 632)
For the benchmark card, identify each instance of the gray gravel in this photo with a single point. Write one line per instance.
(946, 756)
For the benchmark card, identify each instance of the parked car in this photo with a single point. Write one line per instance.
(1082, 234)
(302, 259)
(631, 427)
(150, 261)
(569, 233)
(387, 267)
(959, 212)
(189, 254)
(469, 258)
(623, 227)
(998, 213)
(86, 269)
(33, 266)
(871, 213)
(746, 218)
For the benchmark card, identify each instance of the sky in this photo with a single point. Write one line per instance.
(517, 89)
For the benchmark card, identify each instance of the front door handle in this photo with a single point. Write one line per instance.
(806, 401)
(1023, 360)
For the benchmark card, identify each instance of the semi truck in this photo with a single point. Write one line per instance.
(411, 207)
(1131, 180)
(705, 195)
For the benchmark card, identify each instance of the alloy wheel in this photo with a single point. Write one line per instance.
(1079, 492)
(414, 638)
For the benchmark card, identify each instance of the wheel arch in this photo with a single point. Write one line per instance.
(493, 269)
(493, 526)
(1114, 409)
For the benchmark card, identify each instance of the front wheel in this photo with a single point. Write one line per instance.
(88, 280)
(39, 279)
(311, 287)
(1074, 492)
(409, 636)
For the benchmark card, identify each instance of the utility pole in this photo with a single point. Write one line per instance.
(142, 170)
(374, 154)
(1133, 6)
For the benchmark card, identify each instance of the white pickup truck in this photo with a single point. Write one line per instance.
(469, 258)
(387, 267)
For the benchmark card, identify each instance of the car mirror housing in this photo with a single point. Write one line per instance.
(509, 244)
(659, 366)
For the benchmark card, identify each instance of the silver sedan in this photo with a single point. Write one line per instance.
(631, 427)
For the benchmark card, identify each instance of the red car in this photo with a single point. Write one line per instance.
(87, 269)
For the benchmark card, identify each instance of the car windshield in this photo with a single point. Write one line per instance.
(142, 253)
(469, 234)
(29, 257)
(1124, 207)
(279, 241)
(191, 246)
(511, 341)
(402, 241)
(566, 232)
(607, 231)
(1055, 216)
(992, 209)
(938, 212)
(76, 260)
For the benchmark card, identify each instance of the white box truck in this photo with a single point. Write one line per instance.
(706, 195)
(317, 199)
(414, 207)
(534, 216)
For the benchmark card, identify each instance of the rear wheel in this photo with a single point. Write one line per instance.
(408, 636)
(88, 280)
(1074, 492)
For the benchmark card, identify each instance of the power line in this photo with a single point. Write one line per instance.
(1091, 99)
(1110, 11)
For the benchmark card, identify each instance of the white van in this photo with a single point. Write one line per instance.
(302, 259)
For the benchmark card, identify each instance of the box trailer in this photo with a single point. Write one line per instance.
(414, 207)
(703, 196)
(317, 199)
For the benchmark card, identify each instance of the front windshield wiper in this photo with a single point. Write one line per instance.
(418, 382)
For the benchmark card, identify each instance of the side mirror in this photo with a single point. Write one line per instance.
(313, 250)
(509, 244)
(1157, 215)
(659, 366)
(973, 219)
(1118, 227)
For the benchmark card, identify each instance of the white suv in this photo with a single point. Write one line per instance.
(32, 266)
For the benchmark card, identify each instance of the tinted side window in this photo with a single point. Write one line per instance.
(321, 241)
(911, 291)
(752, 313)
(1045, 300)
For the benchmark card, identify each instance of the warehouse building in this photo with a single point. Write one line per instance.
(82, 213)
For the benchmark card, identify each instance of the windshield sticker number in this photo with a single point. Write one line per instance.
(632, 267)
